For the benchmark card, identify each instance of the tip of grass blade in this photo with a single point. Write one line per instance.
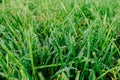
(41, 76)
(77, 75)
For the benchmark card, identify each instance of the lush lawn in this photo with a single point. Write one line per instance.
(60, 40)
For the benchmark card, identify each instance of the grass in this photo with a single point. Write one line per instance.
(59, 40)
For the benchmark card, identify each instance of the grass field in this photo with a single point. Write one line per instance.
(59, 39)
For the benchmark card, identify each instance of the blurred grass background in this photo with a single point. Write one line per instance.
(59, 40)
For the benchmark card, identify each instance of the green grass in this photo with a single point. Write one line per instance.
(59, 40)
